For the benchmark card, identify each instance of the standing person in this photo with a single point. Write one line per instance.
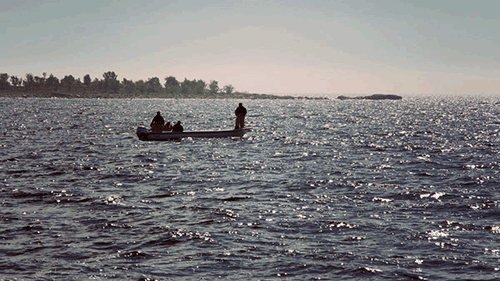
(240, 113)
(157, 123)
(177, 127)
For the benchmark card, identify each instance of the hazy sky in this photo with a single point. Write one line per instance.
(310, 46)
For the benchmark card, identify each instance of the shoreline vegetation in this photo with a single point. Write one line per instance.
(49, 86)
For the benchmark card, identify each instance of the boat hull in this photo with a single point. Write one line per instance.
(147, 135)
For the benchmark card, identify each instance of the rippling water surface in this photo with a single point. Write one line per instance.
(320, 189)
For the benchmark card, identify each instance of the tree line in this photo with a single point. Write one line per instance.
(110, 85)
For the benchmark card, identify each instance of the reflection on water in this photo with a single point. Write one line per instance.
(319, 189)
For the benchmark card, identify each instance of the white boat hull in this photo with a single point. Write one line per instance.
(147, 135)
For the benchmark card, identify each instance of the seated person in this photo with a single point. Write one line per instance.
(167, 127)
(177, 127)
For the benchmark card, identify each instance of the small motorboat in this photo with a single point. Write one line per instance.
(145, 134)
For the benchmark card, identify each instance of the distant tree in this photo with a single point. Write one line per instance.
(39, 82)
(87, 81)
(128, 86)
(52, 83)
(4, 81)
(98, 85)
(190, 88)
(15, 81)
(29, 83)
(199, 88)
(154, 85)
(213, 87)
(44, 74)
(111, 83)
(68, 81)
(141, 86)
(186, 87)
(172, 86)
(228, 89)
(79, 83)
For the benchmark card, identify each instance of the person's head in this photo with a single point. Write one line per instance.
(241, 104)
(158, 113)
(179, 122)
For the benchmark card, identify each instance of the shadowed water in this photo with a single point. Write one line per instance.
(320, 189)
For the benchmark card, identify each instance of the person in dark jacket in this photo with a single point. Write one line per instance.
(240, 113)
(167, 127)
(177, 127)
(157, 123)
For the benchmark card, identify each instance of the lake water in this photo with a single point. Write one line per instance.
(320, 189)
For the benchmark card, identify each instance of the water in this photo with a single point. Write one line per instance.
(345, 190)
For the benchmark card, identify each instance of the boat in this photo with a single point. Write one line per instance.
(145, 134)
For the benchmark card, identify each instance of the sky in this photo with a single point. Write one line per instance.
(312, 47)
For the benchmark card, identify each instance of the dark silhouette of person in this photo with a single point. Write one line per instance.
(177, 127)
(157, 123)
(167, 127)
(240, 113)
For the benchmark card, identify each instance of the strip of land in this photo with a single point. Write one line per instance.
(372, 97)
(21, 93)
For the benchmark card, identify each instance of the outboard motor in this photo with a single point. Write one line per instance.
(142, 133)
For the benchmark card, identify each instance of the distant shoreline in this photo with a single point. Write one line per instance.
(372, 97)
(94, 95)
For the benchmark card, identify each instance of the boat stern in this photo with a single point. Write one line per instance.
(142, 133)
